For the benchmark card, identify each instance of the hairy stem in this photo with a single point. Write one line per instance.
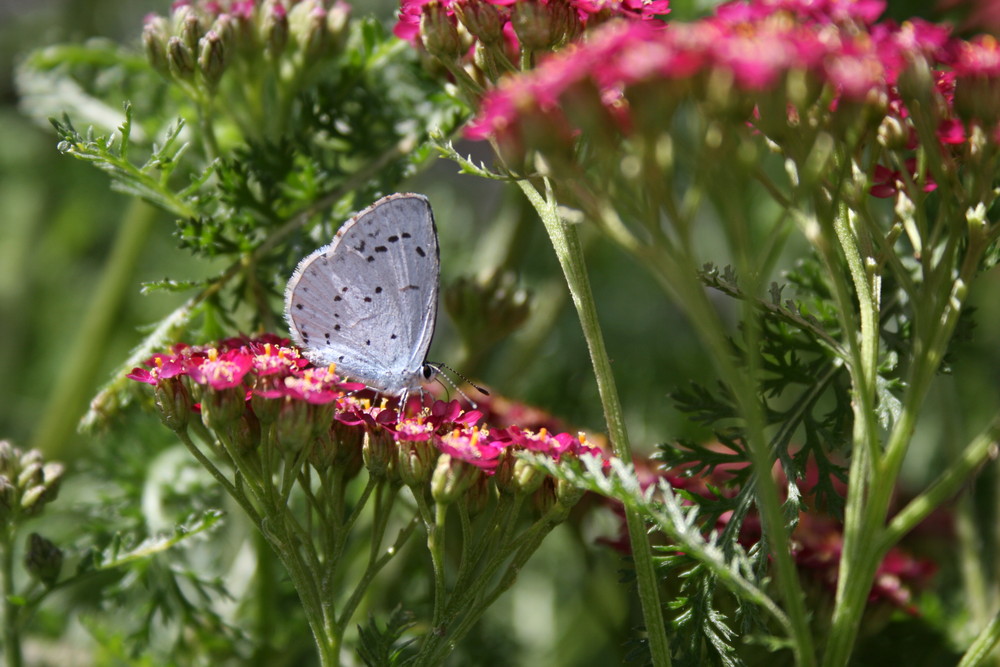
(566, 244)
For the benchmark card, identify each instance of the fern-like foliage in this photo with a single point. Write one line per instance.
(706, 563)
(382, 647)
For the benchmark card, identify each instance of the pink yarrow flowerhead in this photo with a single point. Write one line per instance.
(473, 446)
(221, 371)
(162, 366)
(770, 59)
(251, 386)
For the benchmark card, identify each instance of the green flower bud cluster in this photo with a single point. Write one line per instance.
(200, 42)
(27, 482)
(43, 559)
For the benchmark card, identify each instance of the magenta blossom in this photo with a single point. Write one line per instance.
(266, 369)
(221, 371)
(473, 447)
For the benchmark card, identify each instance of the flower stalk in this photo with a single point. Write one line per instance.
(567, 247)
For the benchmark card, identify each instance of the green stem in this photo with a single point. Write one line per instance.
(206, 113)
(980, 650)
(374, 566)
(273, 525)
(943, 488)
(266, 599)
(566, 244)
(435, 543)
(434, 523)
(864, 530)
(11, 612)
(467, 603)
(76, 378)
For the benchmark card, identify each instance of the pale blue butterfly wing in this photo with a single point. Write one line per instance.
(367, 302)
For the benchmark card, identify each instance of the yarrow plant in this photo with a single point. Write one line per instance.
(813, 186)
(638, 127)
(285, 429)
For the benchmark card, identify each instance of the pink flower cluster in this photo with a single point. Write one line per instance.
(268, 368)
(818, 538)
(779, 58)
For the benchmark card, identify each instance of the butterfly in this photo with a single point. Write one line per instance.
(367, 302)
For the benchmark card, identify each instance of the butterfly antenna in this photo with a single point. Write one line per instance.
(481, 390)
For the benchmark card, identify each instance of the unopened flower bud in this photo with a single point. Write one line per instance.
(8, 497)
(274, 28)
(180, 60)
(222, 408)
(7, 455)
(339, 447)
(916, 82)
(43, 559)
(544, 497)
(481, 19)
(212, 59)
(307, 25)
(337, 18)
(244, 433)
(893, 133)
(294, 427)
(33, 500)
(31, 474)
(527, 477)
(439, 32)
(416, 462)
(567, 495)
(517, 476)
(154, 42)
(245, 33)
(451, 479)
(379, 453)
(173, 400)
(225, 27)
(544, 27)
(191, 31)
(52, 472)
